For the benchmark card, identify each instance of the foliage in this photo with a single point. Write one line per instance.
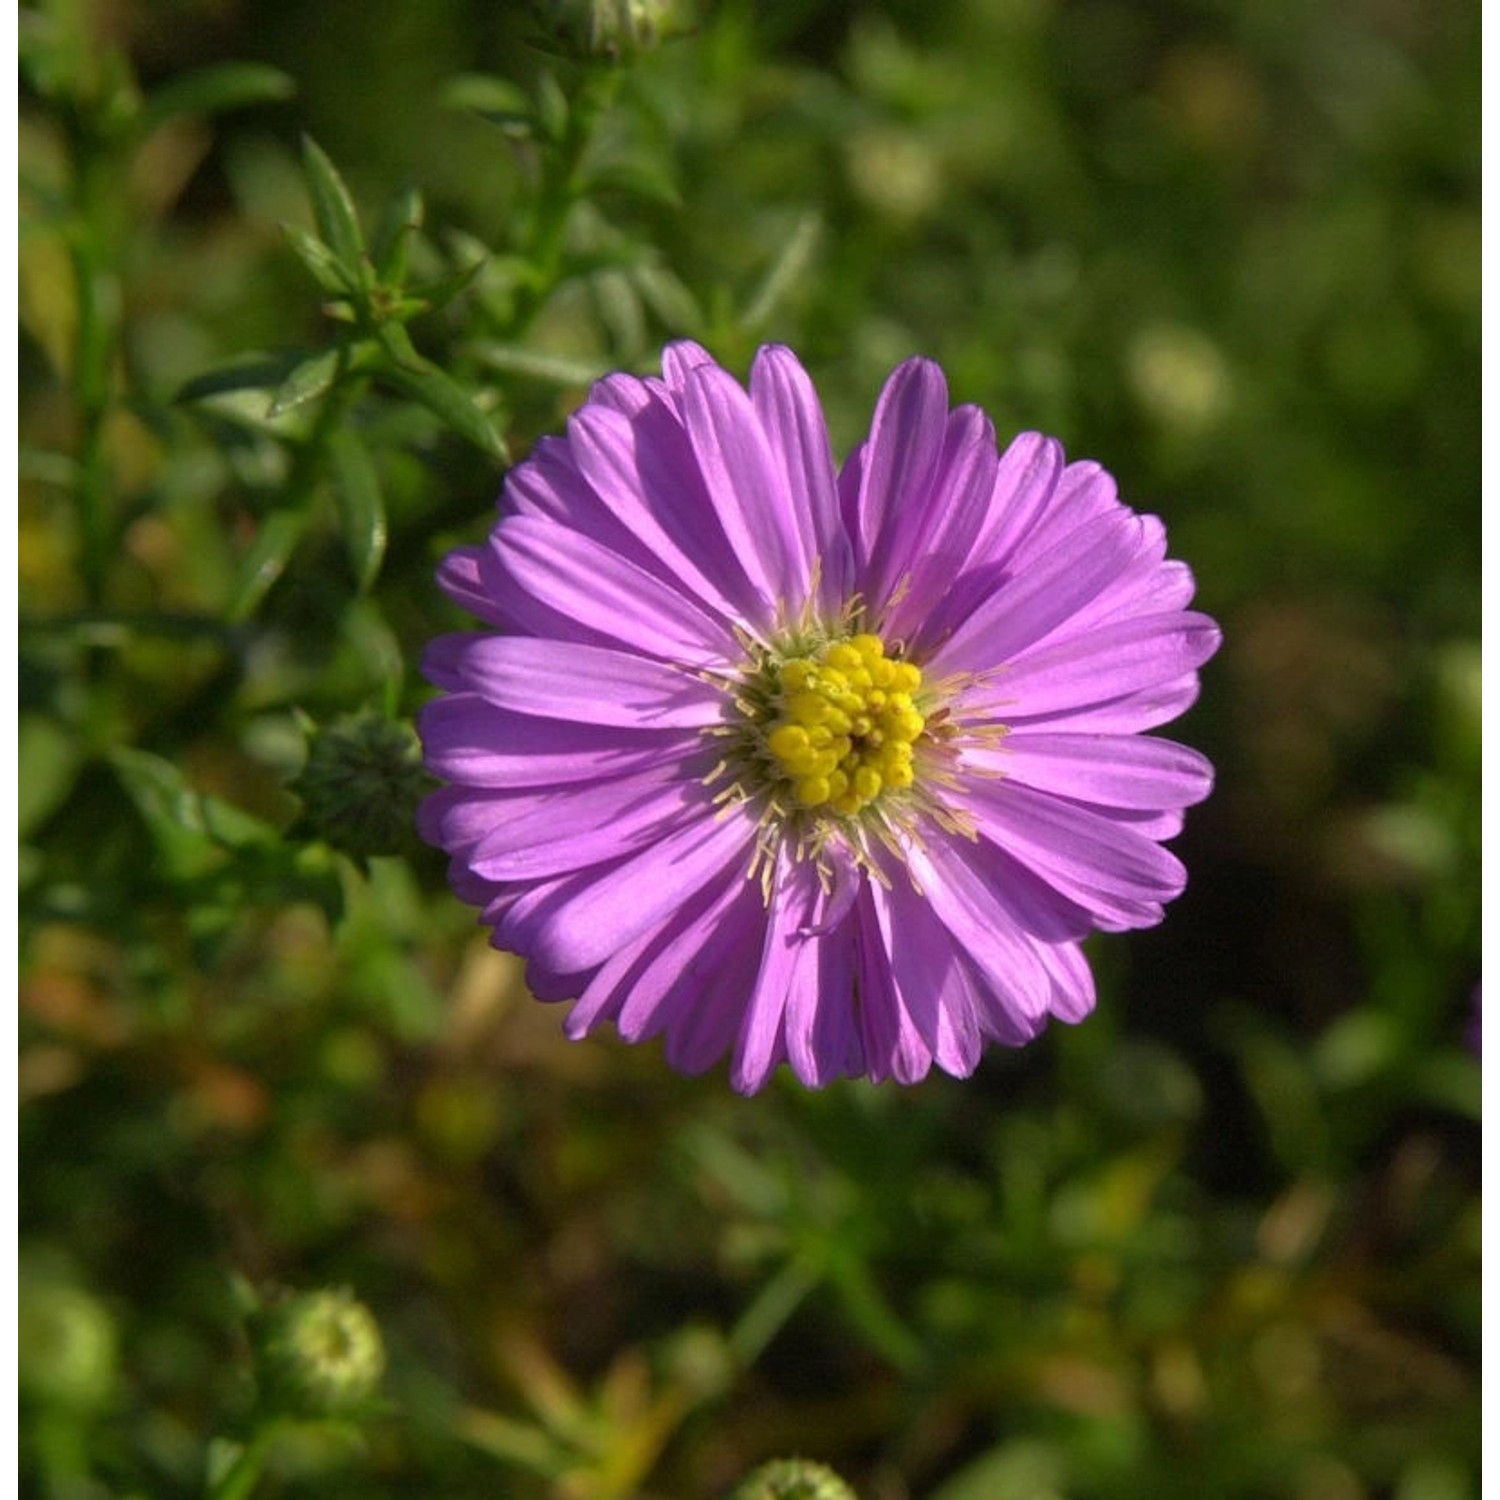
(1221, 1240)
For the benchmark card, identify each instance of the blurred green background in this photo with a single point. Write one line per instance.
(1220, 1240)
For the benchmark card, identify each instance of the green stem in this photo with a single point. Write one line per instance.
(94, 254)
(240, 1479)
(560, 189)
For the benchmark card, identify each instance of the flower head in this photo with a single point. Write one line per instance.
(321, 1353)
(830, 766)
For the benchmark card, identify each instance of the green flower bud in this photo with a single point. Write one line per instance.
(794, 1479)
(615, 29)
(320, 1354)
(361, 784)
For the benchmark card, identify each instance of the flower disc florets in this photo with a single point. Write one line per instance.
(833, 766)
(835, 728)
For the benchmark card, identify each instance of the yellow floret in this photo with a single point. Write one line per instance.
(843, 725)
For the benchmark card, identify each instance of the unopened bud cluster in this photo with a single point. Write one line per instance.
(361, 784)
(613, 29)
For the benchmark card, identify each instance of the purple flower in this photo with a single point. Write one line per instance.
(835, 767)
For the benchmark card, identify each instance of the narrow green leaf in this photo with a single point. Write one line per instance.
(331, 273)
(211, 91)
(332, 205)
(361, 509)
(266, 561)
(399, 349)
(667, 295)
(401, 218)
(169, 808)
(253, 372)
(308, 380)
(451, 403)
(498, 100)
(552, 108)
(440, 293)
(535, 364)
(190, 829)
(638, 178)
(786, 270)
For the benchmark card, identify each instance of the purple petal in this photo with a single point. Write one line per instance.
(1104, 865)
(1130, 713)
(785, 962)
(1038, 599)
(644, 475)
(763, 528)
(792, 419)
(893, 1046)
(1099, 666)
(459, 578)
(678, 361)
(1112, 769)
(474, 743)
(1072, 980)
(927, 544)
(535, 835)
(1025, 482)
(1083, 492)
(704, 963)
(585, 684)
(984, 929)
(905, 444)
(615, 905)
(932, 978)
(576, 576)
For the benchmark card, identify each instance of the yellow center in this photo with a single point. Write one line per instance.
(843, 723)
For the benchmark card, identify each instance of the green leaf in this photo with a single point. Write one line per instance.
(266, 561)
(253, 372)
(535, 364)
(210, 91)
(401, 218)
(361, 509)
(638, 178)
(332, 205)
(668, 297)
(501, 102)
(440, 293)
(552, 109)
(332, 274)
(49, 758)
(190, 830)
(447, 400)
(308, 380)
(786, 270)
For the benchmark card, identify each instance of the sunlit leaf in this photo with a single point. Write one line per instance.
(448, 400)
(330, 271)
(333, 207)
(308, 380)
(266, 560)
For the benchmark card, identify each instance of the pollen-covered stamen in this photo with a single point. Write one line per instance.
(843, 723)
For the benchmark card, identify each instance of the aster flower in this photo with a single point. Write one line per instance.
(834, 767)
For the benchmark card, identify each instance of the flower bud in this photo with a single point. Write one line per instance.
(614, 29)
(361, 784)
(320, 1354)
(794, 1479)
